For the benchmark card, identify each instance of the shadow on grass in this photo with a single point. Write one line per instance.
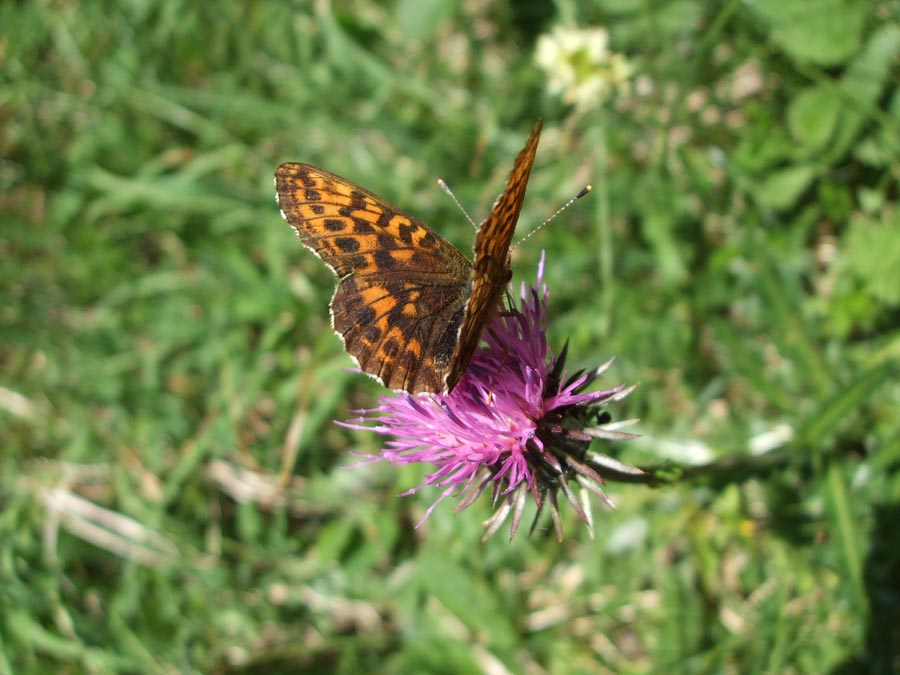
(882, 576)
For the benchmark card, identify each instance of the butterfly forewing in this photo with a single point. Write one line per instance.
(356, 232)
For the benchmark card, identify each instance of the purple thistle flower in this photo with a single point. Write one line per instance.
(516, 421)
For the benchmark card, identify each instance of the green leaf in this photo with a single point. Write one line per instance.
(833, 411)
(468, 597)
(680, 16)
(812, 115)
(421, 18)
(862, 85)
(821, 32)
(867, 74)
(781, 189)
(872, 254)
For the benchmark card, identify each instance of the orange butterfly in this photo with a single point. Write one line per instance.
(409, 306)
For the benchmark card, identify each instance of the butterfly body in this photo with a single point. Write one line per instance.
(408, 305)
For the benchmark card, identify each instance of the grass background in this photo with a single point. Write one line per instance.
(173, 492)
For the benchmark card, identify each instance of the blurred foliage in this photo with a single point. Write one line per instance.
(174, 495)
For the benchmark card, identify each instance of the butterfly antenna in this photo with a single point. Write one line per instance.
(446, 188)
(585, 190)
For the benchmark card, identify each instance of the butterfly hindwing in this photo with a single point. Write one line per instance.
(401, 332)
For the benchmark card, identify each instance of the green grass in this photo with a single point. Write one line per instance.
(163, 331)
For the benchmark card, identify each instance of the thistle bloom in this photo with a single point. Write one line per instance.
(516, 421)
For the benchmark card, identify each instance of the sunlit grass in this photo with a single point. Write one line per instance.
(173, 492)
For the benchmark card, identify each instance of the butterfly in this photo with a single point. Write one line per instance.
(409, 306)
